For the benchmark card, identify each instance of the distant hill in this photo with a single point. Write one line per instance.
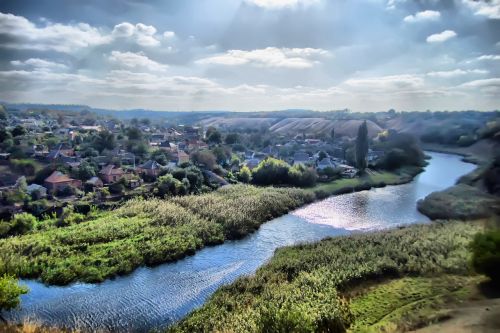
(290, 126)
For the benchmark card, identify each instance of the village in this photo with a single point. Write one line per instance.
(51, 159)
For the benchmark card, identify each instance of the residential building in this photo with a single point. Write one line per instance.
(150, 168)
(58, 180)
(110, 174)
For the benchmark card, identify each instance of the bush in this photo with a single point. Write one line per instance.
(486, 254)
(271, 171)
(22, 223)
(245, 175)
(10, 291)
(302, 176)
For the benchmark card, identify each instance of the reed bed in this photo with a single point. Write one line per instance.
(301, 289)
(143, 232)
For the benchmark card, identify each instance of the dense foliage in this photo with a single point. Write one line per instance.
(486, 254)
(272, 171)
(300, 289)
(143, 232)
(10, 291)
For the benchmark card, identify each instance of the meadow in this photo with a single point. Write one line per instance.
(306, 288)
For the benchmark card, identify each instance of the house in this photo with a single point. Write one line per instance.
(156, 139)
(150, 168)
(58, 180)
(182, 157)
(94, 182)
(252, 163)
(301, 158)
(110, 174)
(374, 155)
(36, 191)
(326, 163)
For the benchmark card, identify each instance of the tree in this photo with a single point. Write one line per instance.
(214, 137)
(322, 155)
(271, 171)
(362, 146)
(232, 138)
(245, 175)
(85, 171)
(486, 254)
(18, 131)
(104, 140)
(4, 134)
(205, 158)
(10, 291)
(302, 176)
(133, 133)
(22, 223)
(332, 134)
(3, 113)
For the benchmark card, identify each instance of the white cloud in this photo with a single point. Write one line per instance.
(23, 34)
(441, 37)
(426, 15)
(144, 35)
(386, 83)
(297, 58)
(168, 34)
(136, 60)
(280, 4)
(491, 86)
(20, 33)
(490, 9)
(489, 57)
(456, 73)
(39, 64)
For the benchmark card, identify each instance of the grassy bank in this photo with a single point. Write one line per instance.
(156, 231)
(144, 233)
(461, 201)
(408, 303)
(367, 181)
(306, 288)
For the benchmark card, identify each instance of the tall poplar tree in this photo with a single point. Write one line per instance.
(362, 146)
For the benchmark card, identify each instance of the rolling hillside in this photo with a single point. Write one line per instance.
(290, 126)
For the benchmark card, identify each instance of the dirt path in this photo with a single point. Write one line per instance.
(481, 316)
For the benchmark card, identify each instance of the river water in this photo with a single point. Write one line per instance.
(155, 297)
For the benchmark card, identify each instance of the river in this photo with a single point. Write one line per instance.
(155, 297)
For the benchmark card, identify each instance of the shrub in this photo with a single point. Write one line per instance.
(22, 223)
(10, 291)
(302, 176)
(271, 171)
(116, 188)
(245, 175)
(486, 254)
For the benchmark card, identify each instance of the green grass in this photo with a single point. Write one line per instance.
(459, 202)
(367, 181)
(303, 288)
(143, 233)
(409, 302)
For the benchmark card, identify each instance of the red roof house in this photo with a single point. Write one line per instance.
(58, 180)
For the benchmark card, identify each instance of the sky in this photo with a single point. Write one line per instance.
(251, 55)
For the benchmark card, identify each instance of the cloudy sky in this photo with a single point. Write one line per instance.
(365, 55)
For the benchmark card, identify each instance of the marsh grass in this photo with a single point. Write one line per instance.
(143, 232)
(277, 293)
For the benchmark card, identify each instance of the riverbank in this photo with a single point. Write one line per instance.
(326, 285)
(157, 231)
